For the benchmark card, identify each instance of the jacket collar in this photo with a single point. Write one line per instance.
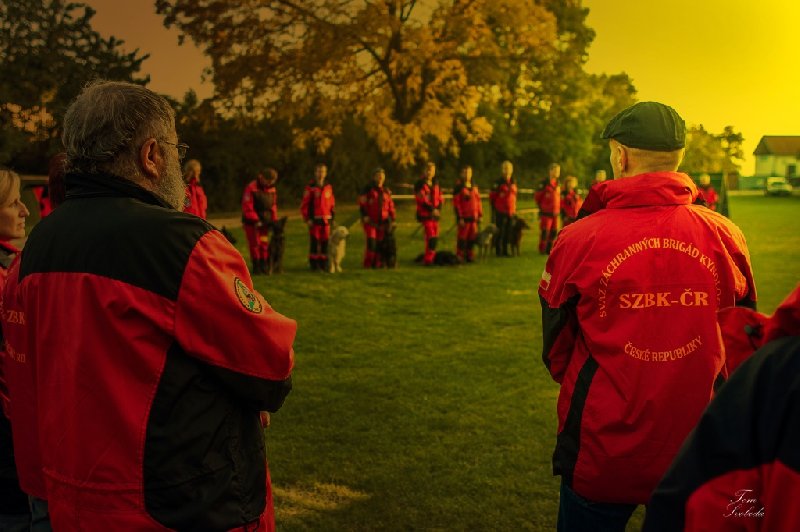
(656, 188)
(106, 185)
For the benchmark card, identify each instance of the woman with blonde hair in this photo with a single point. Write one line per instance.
(196, 201)
(14, 510)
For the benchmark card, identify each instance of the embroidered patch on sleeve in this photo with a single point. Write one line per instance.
(246, 297)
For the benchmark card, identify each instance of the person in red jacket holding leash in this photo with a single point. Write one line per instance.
(469, 211)
(629, 302)
(317, 208)
(259, 212)
(429, 200)
(548, 198)
(377, 215)
(196, 201)
(503, 198)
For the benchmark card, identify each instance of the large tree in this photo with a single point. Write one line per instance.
(707, 152)
(412, 74)
(48, 51)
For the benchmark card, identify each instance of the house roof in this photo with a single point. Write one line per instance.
(778, 145)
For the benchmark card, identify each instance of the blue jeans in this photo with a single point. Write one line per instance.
(576, 514)
(40, 516)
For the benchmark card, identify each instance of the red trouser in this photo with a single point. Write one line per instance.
(467, 234)
(374, 235)
(318, 248)
(548, 226)
(257, 241)
(431, 228)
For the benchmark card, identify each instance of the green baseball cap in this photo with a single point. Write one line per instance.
(649, 126)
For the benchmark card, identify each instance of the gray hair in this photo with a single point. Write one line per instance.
(108, 122)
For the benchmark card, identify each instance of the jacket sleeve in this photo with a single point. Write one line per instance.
(422, 200)
(248, 209)
(390, 207)
(559, 300)
(362, 202)
(748, 428)
(304, 203)
(201, 194)
(221, 321)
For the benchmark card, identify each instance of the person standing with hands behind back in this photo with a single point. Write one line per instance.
(503, 198)
(196, 201)
(629, 317)
(429, 200)
(548, 198)
(317, 208)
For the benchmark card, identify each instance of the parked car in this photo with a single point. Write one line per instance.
(777, 186)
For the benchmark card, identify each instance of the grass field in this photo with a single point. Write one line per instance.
(420, 401)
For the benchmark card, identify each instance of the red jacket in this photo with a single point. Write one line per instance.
(739, 469)
(318, 203)
(377, 204)
(196, 201)
(710, 196)
(428, 197)
(629, 300)
(259, 204)
(503, 196)
(467, 202)
(570, 204)
(155, 357)
(548, 198)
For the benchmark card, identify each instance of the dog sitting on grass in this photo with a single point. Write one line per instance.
(337, 245)
(387, 248)
(275, 248)
(485, 240)
(517, 226)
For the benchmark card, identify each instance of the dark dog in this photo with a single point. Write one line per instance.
(275, 249)
(442, 258)
(387, 248)
(517, 226)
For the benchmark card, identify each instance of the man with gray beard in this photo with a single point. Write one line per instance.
(140, 359)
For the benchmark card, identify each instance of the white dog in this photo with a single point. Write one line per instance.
(336, 248)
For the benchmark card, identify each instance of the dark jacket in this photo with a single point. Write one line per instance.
(739, 469)
(140, 357)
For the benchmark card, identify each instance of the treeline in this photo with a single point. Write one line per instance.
(357, 85)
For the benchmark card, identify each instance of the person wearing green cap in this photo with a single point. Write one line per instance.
(629, 299)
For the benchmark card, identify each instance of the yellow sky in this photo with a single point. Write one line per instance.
(717, 62)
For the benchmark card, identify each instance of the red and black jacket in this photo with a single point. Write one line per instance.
(548, 198)
(13, 501)
(259, 204)
(376, 203)
(503, 196)
(196, 201)
(739, 469)
(629, 301)
(570, 204)
(467, 201)
(318, 203)
(139, 360)
(429, 198)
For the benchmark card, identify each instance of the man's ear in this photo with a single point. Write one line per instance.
(622, 160)
(149, 159)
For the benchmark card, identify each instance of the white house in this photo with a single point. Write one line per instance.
(778, 155)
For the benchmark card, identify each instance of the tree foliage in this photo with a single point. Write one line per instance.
(707, 152)
(409, 72)
(48, 51)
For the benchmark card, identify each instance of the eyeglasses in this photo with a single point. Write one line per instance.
(181, 147)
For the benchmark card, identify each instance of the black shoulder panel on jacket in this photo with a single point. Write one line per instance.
(122, 238)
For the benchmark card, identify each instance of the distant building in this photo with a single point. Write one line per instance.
(778, 156)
